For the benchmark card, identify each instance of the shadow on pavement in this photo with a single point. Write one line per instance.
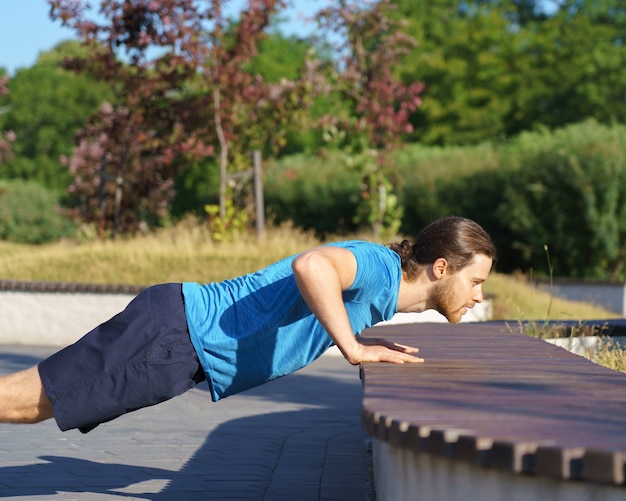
(315, 449)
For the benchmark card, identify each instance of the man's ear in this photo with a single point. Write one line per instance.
(440, 267)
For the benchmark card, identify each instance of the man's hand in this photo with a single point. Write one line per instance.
(382, 350)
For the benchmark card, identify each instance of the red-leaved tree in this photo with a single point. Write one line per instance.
(371, 44)
(248, 112)
(178, 68)
(125, 160)
(7, 137)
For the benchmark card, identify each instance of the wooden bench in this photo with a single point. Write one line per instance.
(492, 413)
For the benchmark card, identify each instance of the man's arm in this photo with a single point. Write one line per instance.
(322, 274)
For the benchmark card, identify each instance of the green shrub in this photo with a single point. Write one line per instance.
(319, 194)
(568, 191)
(29, 213)
(565, 189)
(434, 181)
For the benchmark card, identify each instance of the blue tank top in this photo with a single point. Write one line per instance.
(257, 327)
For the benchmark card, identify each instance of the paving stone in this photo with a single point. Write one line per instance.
(297, 438)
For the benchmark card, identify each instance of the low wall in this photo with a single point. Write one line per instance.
(54, 319)
(609, 295)
(56, 314)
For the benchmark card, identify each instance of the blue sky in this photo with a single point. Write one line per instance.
(26, 28)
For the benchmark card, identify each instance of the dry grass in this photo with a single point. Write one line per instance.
(516, 299)
(610, 354)
(184, 253)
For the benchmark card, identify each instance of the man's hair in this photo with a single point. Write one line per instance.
(456, 239)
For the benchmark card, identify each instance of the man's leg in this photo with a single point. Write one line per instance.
(23, 399)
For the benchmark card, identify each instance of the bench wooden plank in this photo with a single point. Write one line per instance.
(499, 399)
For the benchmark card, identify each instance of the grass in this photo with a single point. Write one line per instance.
(187, 253)
(535, 312)
(609, 354)
(515, 298)
(184, 253)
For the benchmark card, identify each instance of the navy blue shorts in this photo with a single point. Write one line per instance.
(138, 358)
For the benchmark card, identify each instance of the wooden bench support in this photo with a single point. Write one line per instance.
(491, 410)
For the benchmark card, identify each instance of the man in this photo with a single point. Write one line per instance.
(243, 332)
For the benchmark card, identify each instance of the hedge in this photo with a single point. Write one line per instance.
(29, 213)
(564, 189)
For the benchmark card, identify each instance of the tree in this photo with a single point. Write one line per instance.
(6, 138)
(288, 59)
(463, 56)
(379, 106)
(129, 152)
(571, 66)
(250, 112)
(181, 73)
(494, 68)
(279, 57)
(46, 107)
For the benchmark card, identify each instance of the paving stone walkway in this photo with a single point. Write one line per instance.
(295, 439)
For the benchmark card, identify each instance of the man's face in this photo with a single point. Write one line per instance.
(454, 294)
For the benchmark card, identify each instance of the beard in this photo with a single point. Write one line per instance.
(445, 301)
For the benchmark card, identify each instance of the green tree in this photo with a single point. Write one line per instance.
(463, 57)
(279, 57)
(571, 66)
(46, 106)
(6, 138)
(376, 117)
(494, 68)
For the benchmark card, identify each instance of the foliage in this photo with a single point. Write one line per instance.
(46, 106)
(249, 112)
(564, 189)
(570, 66)
(569, 192)
(463, 58)
(6, 138)
(493, 69)
(314, 194)
(100, 179)
(125, 160)
(379, 105)
(29, 213)
(229, 226)
(279, 57)
(195, 186)
(184, 90)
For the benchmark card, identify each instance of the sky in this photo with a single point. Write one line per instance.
(26, 28)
